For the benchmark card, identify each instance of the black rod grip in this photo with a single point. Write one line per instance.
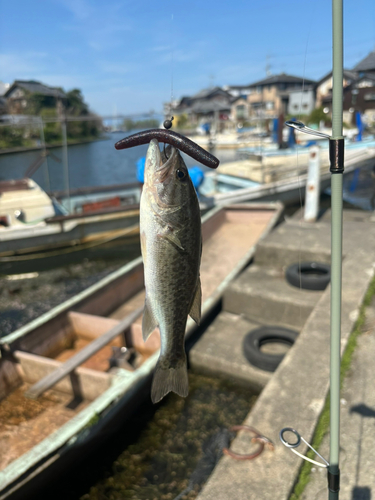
(336, 156)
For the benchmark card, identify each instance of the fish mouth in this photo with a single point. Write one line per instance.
(158, 164)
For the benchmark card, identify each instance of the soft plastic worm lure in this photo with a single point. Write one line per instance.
(174, 139)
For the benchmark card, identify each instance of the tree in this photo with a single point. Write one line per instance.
(75, 104)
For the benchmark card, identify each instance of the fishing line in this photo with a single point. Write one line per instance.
(298, 164)
(168, 123)
(172, 62)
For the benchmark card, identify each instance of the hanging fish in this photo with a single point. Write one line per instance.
(171, 244)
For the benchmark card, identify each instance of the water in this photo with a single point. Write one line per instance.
(98, 163)
(92, 164)
(155, 452)
(359, 189)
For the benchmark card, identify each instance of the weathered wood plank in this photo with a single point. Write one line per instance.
(50, 380)
(89, 326)
(85, 382)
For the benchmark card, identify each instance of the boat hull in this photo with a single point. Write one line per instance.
(127, 389)
(68, 239)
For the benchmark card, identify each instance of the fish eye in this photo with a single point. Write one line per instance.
(180, 174)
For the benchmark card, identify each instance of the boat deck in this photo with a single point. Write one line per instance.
(273, 168)
(228, 238)
(26, 422)
(225, 247)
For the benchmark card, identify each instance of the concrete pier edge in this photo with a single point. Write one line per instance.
(296, 394)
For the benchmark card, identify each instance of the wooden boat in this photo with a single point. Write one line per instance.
(35, 229)
(85, 363)
(279, 180)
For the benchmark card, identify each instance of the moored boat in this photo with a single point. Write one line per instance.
(278, 179)
(84, 364)
(36, 230)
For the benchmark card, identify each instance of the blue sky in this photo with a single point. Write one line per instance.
(133, 55)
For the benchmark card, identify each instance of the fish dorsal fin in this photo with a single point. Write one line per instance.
(149, 323)
(195, 310)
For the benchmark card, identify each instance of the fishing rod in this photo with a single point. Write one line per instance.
(336, 155)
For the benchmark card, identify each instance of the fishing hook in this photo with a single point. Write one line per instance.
(292, 446)
(174, 139)
(259, 438)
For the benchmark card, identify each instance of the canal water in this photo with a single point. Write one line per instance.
(154, 454)
(95, 163)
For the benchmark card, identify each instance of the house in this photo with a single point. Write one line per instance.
(359, 91)
(25, 95)
(323, 87)
(269, 97)
(206, 106)
(301, 101)
(237, 90)
(240, 109)
(360, 96)
(367, 64)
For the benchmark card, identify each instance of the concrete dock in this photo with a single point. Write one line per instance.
(294, 395)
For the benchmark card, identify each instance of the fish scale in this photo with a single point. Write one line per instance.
(171, 244)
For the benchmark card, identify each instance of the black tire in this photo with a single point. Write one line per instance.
(309, 275)
(264, 335)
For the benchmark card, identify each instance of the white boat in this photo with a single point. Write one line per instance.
(277, 178)
(34, 227)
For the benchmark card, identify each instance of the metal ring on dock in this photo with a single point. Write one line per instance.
(258, 437)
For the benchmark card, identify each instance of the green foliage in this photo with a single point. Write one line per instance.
(11, 137)
(140, 124)
(298, 116)
(317, 115)
(48, 107)
(37, 102)
(75, 104)
(181, 121)
(52, 131)
(93, 421)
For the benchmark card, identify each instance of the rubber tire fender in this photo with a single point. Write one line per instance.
(254, 340)
(302, 275)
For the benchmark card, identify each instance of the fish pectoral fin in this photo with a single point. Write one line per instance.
(195, 310)
(170, 236)
(149, 323)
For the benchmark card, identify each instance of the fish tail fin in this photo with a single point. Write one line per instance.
(168, 377)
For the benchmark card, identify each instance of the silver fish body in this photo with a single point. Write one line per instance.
(171, 244)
